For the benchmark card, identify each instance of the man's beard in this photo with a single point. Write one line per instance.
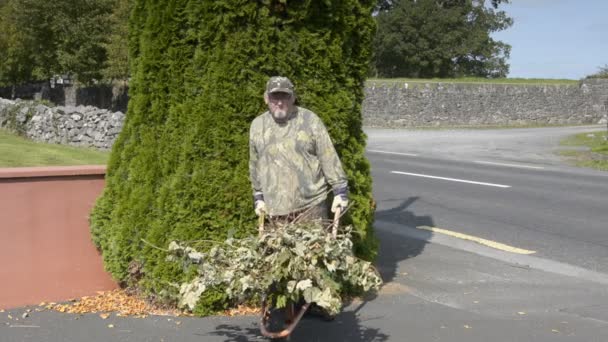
(279, 115)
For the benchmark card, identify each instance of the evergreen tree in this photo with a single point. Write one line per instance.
(445, 38)
(179, 169)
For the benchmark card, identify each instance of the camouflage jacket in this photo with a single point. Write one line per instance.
(292, 163)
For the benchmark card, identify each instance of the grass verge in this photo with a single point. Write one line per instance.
(587, 150)
(16, 151)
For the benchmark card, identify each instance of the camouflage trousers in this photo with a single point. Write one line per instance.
(316, 212)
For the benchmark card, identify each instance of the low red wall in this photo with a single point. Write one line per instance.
(46, 253)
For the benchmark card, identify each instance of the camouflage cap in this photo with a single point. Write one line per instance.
(279, 84)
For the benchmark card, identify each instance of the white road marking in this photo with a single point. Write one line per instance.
(452, 179)
(509, 165)
(397, 153)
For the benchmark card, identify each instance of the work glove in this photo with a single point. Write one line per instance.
(340, 199)
(260, 207)
(259, 204)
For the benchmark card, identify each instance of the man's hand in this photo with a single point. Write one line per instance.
(260, 207)
(339, 201)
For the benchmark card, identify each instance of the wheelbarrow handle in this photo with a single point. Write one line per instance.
(334, 227)
(261, 220)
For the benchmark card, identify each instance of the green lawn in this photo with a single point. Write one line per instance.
(587, 150)
(16, 151)
(475, 80)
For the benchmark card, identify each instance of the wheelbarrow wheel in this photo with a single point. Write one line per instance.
(278, 323)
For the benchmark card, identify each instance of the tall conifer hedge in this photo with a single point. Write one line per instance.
(179, 169)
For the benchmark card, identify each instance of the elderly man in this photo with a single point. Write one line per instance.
(292, 161)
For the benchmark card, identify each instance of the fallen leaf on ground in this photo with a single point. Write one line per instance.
(467, 327)
(119, 301)
(110, 326)
(242, 310)
(521, 313)
(124, 304)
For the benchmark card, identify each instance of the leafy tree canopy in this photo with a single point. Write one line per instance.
(117, 46)
(440, 38)
(61, 36)
(16, 57)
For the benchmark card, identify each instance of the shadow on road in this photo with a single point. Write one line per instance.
(395, 247)
(346, 327)
(349, 325)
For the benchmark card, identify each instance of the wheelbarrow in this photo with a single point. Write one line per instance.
(291, 317)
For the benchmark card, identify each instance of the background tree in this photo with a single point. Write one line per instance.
(179, 169)
(16, 56)
(440, 38)
(117, 46)
(67, 36)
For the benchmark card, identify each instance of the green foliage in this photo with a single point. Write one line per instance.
(292, 262)
(214, 300)
(16, 55)
(447, 38)
(63, 36)
(117, 47)
(179, 168)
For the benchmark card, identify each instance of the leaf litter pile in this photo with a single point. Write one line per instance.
(123, 302)
(126, 303)
(291, 262)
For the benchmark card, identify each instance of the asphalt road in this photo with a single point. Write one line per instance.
(522, 256)
(537, 202)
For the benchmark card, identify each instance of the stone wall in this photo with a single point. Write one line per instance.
(465, 104)
(79, 126)
(390, 106)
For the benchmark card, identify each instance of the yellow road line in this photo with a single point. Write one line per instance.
(489, 243)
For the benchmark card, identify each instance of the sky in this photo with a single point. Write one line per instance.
(556, 38)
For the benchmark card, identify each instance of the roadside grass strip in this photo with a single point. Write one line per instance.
(481, 241)
(590, 149)
(451, 179)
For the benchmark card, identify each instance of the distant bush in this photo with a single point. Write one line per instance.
(602, 73)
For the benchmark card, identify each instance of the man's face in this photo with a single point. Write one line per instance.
(279, 104)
